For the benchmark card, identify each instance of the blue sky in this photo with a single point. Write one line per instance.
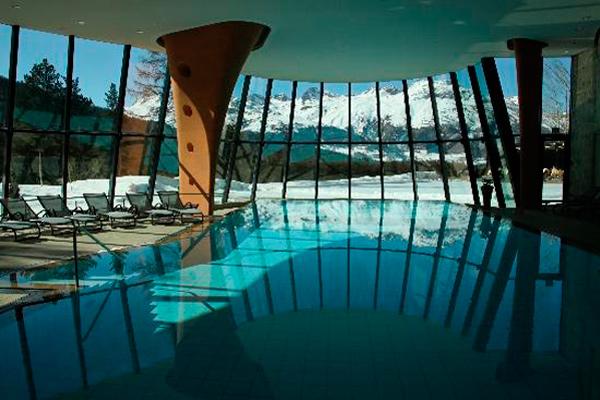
(97, 64)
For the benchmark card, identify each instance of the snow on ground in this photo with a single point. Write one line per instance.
(367, 187)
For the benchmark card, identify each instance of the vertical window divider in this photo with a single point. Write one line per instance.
(236, 139)
(160, 127)
(380, 142)
(462, 124)
(411, 144)
(492, 150)
(319, 138)
(438, 137)
(289, 140)
(349, 172)
(492, 79)
(10, 108)
(263, 127)
(67, 118)
(119, 121)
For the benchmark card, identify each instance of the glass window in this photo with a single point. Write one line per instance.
(135, 162)
(41, 70)
(301, 173)
(90, 162)
(170, 128)
(393, 112)
(5, 35)
(145, 82)
(333, 171)
(458, 173)
(36, 165)
(366, 182)
(280, 105)
(421, 111)
(334, 126)
(95, 85)
(167, 173)
(254, 109)
(306, 113)
(554, 167)
(270, 176)
(428, 172)
(446, 107)
(396, 172)
(364, 113)
(243, 168)
(507, 72)
(556, 92)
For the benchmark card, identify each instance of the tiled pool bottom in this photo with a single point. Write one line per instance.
(328, 299)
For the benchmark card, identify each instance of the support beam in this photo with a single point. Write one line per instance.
(204, 63)
(10, 109)
(530, 69)
(288, 150)
(67, 117)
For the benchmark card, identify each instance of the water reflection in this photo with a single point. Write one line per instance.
(245, 296)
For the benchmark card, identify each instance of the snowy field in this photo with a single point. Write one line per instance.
(396, 187)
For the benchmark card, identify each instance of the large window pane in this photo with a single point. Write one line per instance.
(146, 78)
(243, 167)
(5, 35)
(270, 177)
(36, 164)
(278, 119)
(364, 113)
(90, 161)
(446, 107)
(254, 109)
(421, 110)
(135, 161)
(469, 106)
(167, 174)
(306, 113)
(393, 111)
(95, 85)
(335, 113)
(333, 171)
(556, 92)
(396, 172)
(366, 183)
(428, 172)
(458, 173)
(40, 95)
(507, 72)
(301, 174)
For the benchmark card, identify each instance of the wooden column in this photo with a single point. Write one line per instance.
(204, 64)
(530, 68)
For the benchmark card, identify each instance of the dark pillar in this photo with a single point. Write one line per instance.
(528, 54)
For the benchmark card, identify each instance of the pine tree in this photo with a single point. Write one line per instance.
(111, 97)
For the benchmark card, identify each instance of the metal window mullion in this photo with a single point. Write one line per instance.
(263, 128)
(236, 141)
(319, 139)
(462, 124)
(567, 171)
(411, 147)
(67, 117)
(438, 135)
(160, 127)
(492, 150)
(349, 167)
(503, 123)
(380, 141)
(286, 170)
(119, 121)
(10, 108)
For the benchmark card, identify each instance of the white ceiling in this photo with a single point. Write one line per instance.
(333, 40)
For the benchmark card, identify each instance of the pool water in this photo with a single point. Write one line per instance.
(319, 299)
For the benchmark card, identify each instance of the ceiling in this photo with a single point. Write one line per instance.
(333, 40)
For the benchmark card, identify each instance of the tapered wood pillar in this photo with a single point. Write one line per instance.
(530, 69)
(204, 64)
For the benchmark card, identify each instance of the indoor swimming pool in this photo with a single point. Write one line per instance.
(318, 299)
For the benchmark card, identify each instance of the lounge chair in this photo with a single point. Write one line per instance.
(20, 226)
(142, 207)
(171, 201)
(19, 211)
(56, 207)
(98, 204)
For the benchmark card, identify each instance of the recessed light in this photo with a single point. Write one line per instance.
(459, 22)
(80, 22)
(15, 6)
(426, 2)
(397, 8)
(139, 31)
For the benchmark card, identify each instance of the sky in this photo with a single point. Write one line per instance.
(98, 64)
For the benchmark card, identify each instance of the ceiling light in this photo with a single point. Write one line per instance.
(15, 6)
(397, 8)
(426, 2)
(80, 22)
(459, 22)
(139, 31)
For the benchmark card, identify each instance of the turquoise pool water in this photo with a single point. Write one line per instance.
(327, 299)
